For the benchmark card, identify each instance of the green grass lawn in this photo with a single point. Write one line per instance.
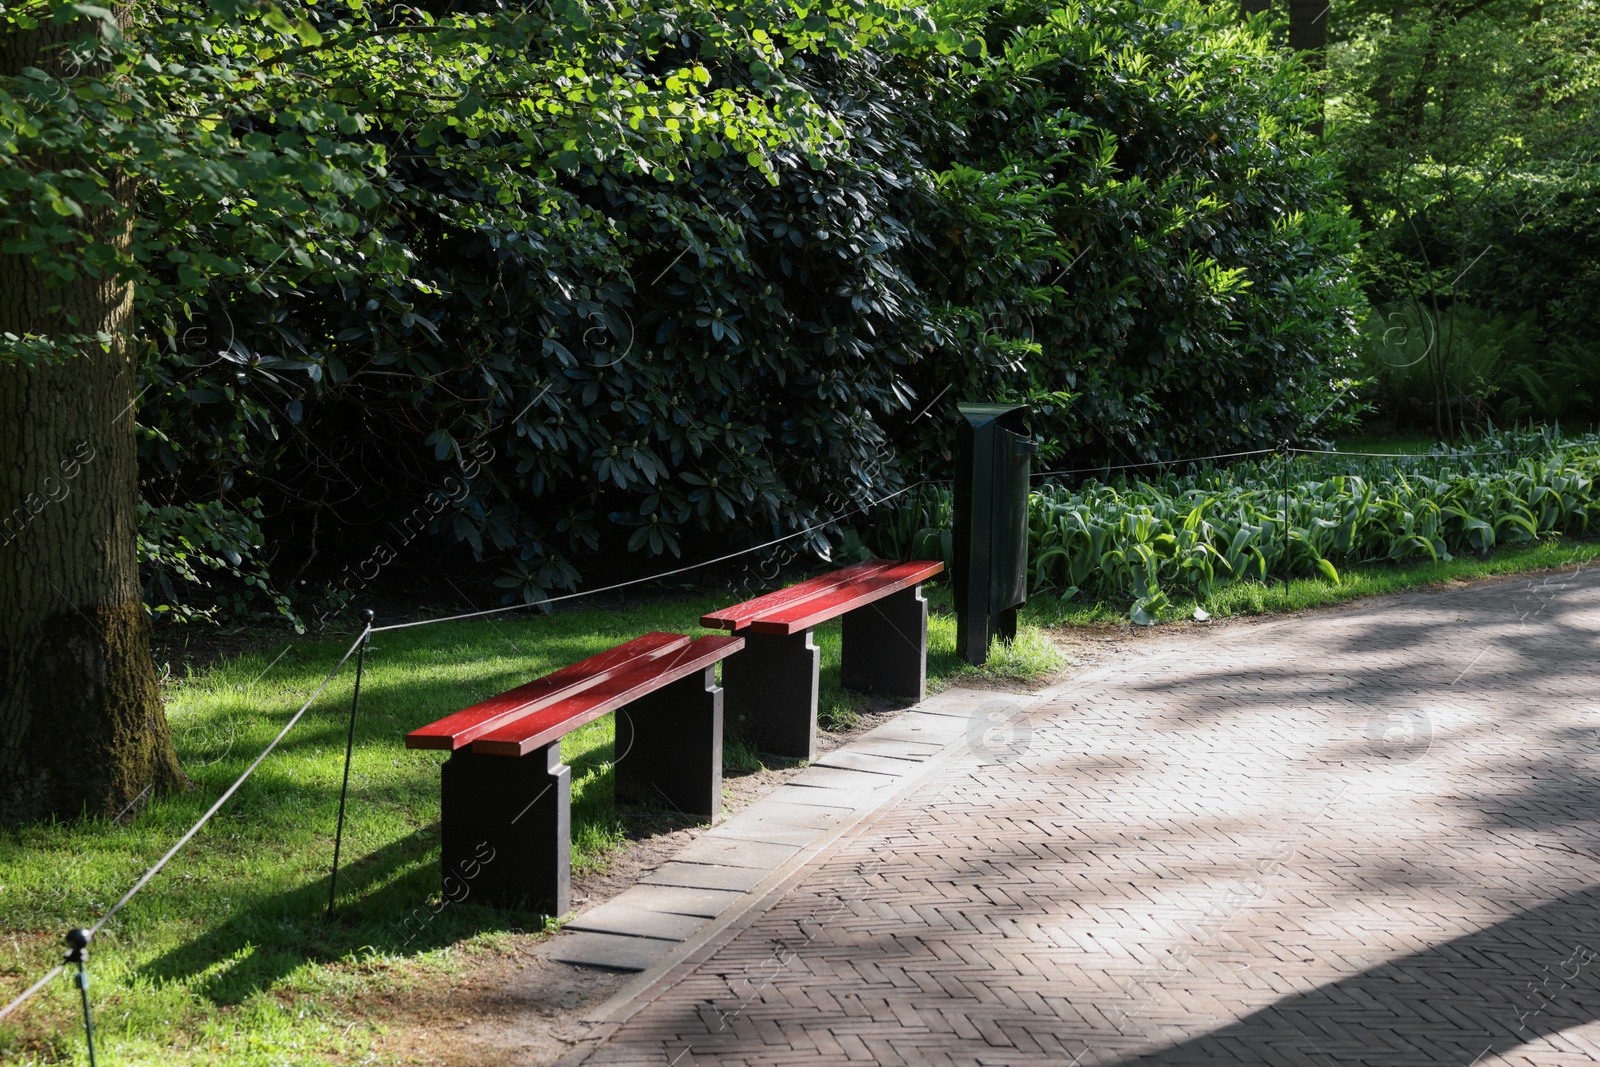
(225, 958)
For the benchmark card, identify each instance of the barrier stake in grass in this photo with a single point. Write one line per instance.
(78, 942)
(349, 749)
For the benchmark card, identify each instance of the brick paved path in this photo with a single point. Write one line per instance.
(1360, 837)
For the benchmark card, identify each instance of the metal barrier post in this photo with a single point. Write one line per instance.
(78, 943)
(349, 750)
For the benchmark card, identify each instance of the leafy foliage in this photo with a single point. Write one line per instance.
(1136, 232)
(187, 545)
(677, 275)
(1503, 368)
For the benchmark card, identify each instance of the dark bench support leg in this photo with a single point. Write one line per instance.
(506, 829)
(669, 746)
(884, 646)
(771, 688)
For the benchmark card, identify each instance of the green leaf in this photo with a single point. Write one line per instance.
(277, 20)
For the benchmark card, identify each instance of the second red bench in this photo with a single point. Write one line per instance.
(772, 684)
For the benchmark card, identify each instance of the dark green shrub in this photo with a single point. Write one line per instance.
(1111, 211)
(1133, 213)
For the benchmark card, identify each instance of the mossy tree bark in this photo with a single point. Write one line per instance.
(82, 728)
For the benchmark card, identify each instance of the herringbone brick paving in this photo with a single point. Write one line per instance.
(1362, 837)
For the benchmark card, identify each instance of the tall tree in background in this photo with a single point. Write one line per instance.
(1308, 35)
(1308, 28)
(1308, 31)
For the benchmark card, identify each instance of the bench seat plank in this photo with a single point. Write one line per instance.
(848, 596)
(465, 726)
(523, 735)
(737, 616)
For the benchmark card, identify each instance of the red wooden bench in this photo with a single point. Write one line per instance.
(506, 796)
(772, 683)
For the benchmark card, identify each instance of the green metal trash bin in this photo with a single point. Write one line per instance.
(990, 570)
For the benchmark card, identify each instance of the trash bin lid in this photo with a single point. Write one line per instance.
(983, 414)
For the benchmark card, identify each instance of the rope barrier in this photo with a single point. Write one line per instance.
(155, 868)
(31, 990)
(1414, 455)
(652, 578)
(1152, 463)
(223, 799)
(1279, 451)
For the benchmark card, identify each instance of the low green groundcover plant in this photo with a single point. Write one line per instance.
(1283, 517)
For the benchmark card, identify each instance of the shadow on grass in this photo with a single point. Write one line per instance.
(389, 903)
(272, 934)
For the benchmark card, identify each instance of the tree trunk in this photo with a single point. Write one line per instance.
(1253, 7)
(1308, 28)
(82, 730)
(1308, 34)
